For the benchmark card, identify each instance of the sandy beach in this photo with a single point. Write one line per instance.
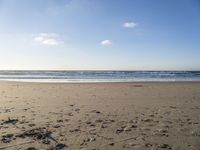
(100, 116)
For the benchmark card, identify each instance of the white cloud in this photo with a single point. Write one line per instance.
(51, 42)
(48, 34)
(129, 24)
(48, 39)
(39, 38)
(105, 42)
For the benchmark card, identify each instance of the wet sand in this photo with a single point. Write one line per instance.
(101, 116)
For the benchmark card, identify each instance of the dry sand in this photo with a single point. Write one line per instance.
(112, 116)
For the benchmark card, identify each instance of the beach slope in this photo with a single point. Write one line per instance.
(98, 116)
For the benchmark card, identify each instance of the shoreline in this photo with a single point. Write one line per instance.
(100, 82)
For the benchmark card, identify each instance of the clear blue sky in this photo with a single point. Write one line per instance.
(100, 34)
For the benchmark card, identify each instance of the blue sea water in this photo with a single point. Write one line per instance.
(99, 76)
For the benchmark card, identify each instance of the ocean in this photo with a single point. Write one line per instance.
(99, 76)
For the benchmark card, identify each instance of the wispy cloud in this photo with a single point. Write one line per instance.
(106, 42)
(129, 24)
(50, 39)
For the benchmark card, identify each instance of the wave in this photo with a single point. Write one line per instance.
(99, 76)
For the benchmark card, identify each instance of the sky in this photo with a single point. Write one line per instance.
(99, 35)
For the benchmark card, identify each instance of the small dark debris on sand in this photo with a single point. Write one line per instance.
(58, 146)
(10, 121)
(38, 134)
(31, 148)
(164, 146)
(7, 138)
(95, 111)
(32, 124)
